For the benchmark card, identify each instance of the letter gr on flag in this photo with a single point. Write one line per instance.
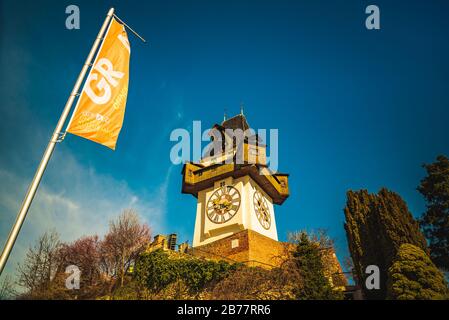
(100, 110)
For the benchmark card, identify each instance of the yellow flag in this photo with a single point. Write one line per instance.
(100, 109)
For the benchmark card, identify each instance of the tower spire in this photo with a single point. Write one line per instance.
(224, 115)
(241, 108)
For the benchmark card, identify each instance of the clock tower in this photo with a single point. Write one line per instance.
(237, 194)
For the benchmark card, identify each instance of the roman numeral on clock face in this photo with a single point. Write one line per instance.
(223, 204)
(262, 210)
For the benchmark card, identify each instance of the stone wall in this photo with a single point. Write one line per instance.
(254, 249)
(245, 246)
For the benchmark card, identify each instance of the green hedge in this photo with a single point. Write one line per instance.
(156, 270)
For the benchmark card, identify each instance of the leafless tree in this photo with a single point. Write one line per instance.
(126, 240)
(40, 265)
(318, 236)
(7, 288)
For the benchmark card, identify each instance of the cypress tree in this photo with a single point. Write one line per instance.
(413, 276)
(435, 221)
(376, 226)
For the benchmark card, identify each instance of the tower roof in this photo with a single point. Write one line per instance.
(236, 122)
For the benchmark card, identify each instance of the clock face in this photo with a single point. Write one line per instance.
(223, 204)
(262, 210)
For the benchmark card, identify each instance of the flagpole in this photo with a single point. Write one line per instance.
(55, 138)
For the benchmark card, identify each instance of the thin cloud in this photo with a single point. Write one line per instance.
(81, 204)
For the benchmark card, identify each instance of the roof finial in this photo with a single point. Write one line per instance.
(224, 116)
(241, 108)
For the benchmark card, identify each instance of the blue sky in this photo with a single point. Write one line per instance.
(354, 108)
